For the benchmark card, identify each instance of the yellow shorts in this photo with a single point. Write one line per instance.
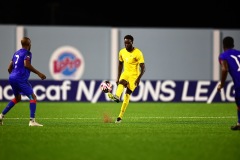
(130, 78)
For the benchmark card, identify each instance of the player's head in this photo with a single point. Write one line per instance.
(228, 43)
(26, 43)
(128, 42)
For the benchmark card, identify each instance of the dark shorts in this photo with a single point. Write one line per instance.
(21, 87)
(237, 96)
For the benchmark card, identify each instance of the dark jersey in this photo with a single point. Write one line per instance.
(19, 72)
(232, 56)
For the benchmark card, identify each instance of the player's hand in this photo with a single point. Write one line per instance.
(137, 82)
(42, 76)
(220, 86)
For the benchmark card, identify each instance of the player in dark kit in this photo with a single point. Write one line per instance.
(19, 72)
(230, 62)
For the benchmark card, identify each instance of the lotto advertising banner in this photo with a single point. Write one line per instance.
(147, 91)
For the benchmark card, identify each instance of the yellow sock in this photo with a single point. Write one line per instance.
(119, 90)
(124, 104)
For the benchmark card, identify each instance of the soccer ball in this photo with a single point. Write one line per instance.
(106, 86)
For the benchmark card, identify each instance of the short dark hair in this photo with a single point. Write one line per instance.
(129, 37)
(228, 42)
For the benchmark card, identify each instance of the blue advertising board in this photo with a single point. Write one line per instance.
(147, 91)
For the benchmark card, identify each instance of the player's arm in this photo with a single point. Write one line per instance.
(224, 73)
(10, 67)
(120, 68)
(28, 65)
(142, 70)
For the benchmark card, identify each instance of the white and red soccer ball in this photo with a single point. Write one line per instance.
(106, 86)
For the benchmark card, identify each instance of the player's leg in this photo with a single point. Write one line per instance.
(32, 107)
(125, 103)
(113, 97)
(121, 85)
(11, 103)
(27, 90)
(119, 91)
(130, 88)
(237, 100)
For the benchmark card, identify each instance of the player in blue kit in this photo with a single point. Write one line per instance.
(19, 72)
(230, 63)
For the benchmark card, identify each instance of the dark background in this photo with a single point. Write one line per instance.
(161, 14)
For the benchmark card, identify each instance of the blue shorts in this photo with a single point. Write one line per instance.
(21, 87)
(237, 96)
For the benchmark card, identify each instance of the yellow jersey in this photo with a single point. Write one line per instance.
(131, 60)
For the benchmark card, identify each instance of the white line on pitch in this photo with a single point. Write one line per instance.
(187, 117)
(227, 117)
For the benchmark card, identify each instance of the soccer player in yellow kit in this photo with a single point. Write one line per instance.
(131, 67)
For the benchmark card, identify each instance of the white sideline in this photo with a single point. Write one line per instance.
(229, 117)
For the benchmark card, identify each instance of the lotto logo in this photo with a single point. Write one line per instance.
(66, 63)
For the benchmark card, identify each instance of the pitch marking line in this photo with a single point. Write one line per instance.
(226, 117)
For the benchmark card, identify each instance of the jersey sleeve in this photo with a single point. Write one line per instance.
(120, 56)
(221, 57)
(140, 57)
(28, 56)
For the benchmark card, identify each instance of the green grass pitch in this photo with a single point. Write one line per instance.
(149, 131)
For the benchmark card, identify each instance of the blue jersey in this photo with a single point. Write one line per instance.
(232, 56)
(19, 72)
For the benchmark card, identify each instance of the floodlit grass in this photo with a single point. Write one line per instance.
(149, 131)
